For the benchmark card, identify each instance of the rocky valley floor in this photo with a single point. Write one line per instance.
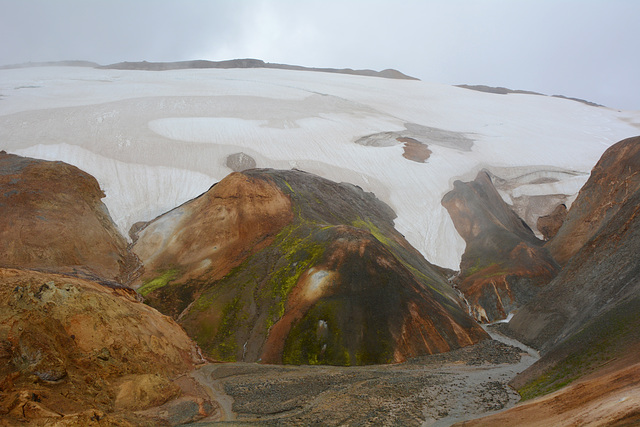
(436, 390)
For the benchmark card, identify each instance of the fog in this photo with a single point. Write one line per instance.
(579, 48)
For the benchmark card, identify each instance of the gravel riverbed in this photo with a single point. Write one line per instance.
(436, 390)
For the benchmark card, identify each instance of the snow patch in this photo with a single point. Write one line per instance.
(156, 140)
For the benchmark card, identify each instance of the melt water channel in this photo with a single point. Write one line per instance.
(456, 404)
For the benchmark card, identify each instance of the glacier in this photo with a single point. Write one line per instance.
(154, 140)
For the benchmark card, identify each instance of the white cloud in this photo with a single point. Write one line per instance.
(582, 48)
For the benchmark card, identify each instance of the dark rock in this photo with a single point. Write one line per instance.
(239, 162)
(307, 252)
(549, 225)
(504, 264)
(614, 179)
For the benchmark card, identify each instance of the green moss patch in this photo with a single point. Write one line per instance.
(158, 282)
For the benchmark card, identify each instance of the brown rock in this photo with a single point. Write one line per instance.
(415, 150)
(51, 218)
(549, 225)
(605, 271)
(504, 265)
(144, 391)
(72, 340)
(240, 215)
(613, 180)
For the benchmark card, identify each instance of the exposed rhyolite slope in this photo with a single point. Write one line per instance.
(52, 219)
(606, 268)
(284, 266)
(613, 180)
(72, 350)
(586, 320)
(504, 264)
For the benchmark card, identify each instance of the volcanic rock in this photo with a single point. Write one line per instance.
(287, 267)
(414, 150)
(504, 264)
(144, 391)
(614, 179)
(606, 269)
(67, 342)
(51, 218)
(239, 162)
(549, 225)
(585, 322)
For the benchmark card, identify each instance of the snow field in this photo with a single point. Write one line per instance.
(157, 139)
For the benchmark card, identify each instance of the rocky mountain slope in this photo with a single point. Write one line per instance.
(76, 351)
(53, 219)
(586, 320)
(72, 350)
(614, 179)
(281, 266)
(284, 266)
(504, 265)
(605, 270)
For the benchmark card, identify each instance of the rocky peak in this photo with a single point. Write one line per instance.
(504, 264)
(613, 180)
(53, 219)
(288, 267)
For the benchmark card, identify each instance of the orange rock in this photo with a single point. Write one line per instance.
(51, 218)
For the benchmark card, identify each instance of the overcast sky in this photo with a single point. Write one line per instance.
(581, 48)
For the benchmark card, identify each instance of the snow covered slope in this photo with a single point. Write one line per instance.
(156, 139)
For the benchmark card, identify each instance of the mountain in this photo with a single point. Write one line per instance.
(586, 320)
(278, 265)
(604, 271)
(614, 179)
(53, 219)
(287, 267)
(504, 264)
(155, 140)
(76, 349)
(249, 63)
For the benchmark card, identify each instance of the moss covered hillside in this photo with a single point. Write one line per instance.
(322, 277)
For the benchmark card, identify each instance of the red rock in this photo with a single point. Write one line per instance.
(549, 225)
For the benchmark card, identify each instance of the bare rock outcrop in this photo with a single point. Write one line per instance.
(585, 322)
(69, 346)
(504, 264)
(287, 267)
(549, 225)
(614, 179)
(52, 218)
(239, 162)
(605, 270)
